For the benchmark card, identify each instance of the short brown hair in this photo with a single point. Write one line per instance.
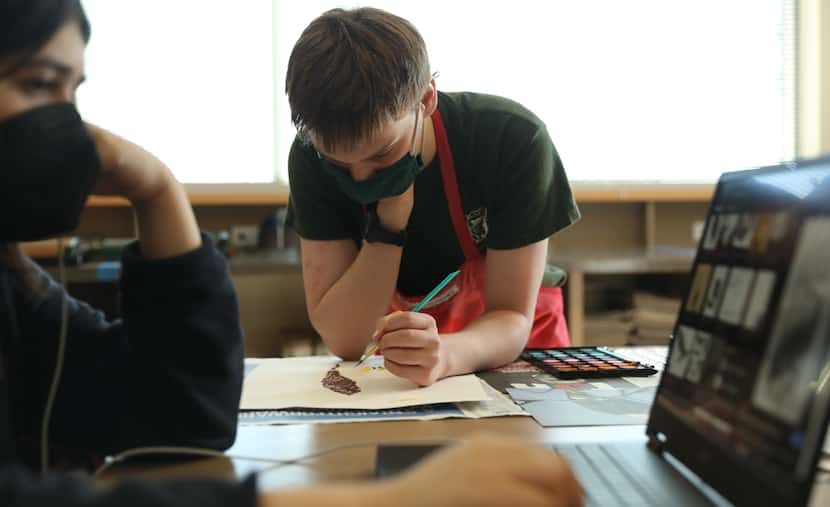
(351, 71)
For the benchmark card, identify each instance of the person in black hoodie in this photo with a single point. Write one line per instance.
(75, 387)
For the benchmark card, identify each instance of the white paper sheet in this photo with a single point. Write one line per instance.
(296, 382)
(499, 405)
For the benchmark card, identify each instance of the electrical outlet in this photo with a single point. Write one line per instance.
(244, 235)
(697, 230)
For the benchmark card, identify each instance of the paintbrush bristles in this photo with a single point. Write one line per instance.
(370, 349)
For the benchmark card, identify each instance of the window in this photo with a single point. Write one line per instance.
(643, 90)
(190, 80)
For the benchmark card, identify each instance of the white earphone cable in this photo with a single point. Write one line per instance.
(56, 376)
(277, 463)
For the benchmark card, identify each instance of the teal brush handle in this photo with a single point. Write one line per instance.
(420, 306)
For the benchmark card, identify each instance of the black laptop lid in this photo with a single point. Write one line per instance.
(745, 397)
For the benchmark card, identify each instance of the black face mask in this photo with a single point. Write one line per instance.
(48, 168)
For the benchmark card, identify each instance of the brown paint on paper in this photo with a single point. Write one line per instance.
(336, 382)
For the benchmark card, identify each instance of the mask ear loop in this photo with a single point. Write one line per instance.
(415, 132)
(423, 120)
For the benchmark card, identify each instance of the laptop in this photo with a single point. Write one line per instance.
(743, 404)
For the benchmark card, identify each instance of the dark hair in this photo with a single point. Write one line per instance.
(353, 70)
(27, 25)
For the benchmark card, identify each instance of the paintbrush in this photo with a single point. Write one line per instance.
(373, 345)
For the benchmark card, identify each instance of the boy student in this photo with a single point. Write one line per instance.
(395, 184)
(137, 382)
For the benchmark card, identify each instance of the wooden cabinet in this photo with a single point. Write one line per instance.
(626, 230)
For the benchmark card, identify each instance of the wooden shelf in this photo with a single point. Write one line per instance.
(267, 261)
(658, 260)
(209, 199)
(46, 249)
(657, 192)
(584, 192)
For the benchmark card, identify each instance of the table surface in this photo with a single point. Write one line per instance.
(294, 441)
(355, 463)
(347, 450)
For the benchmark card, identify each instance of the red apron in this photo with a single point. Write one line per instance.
(462, 301)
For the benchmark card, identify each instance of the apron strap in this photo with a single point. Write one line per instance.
(445, 161)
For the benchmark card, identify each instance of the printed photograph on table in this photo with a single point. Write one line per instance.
(714, 295)
(600, 402)
(798, 347)
(527, 376)
(697, 294)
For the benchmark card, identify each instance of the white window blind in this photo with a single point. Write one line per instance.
(641, 90)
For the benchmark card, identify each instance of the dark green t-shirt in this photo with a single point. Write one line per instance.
(513, 188)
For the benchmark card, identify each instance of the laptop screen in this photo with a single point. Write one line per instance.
(745, 396)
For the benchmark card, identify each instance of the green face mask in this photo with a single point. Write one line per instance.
(387, 182)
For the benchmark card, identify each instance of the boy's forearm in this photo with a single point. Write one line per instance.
(347, 314)
(494, 339)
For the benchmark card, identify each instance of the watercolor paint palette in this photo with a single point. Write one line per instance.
(586, 362)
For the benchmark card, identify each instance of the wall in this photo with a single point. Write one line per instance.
(814, 77)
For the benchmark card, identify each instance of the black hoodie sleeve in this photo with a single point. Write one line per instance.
(19, 489)
(169, 373)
